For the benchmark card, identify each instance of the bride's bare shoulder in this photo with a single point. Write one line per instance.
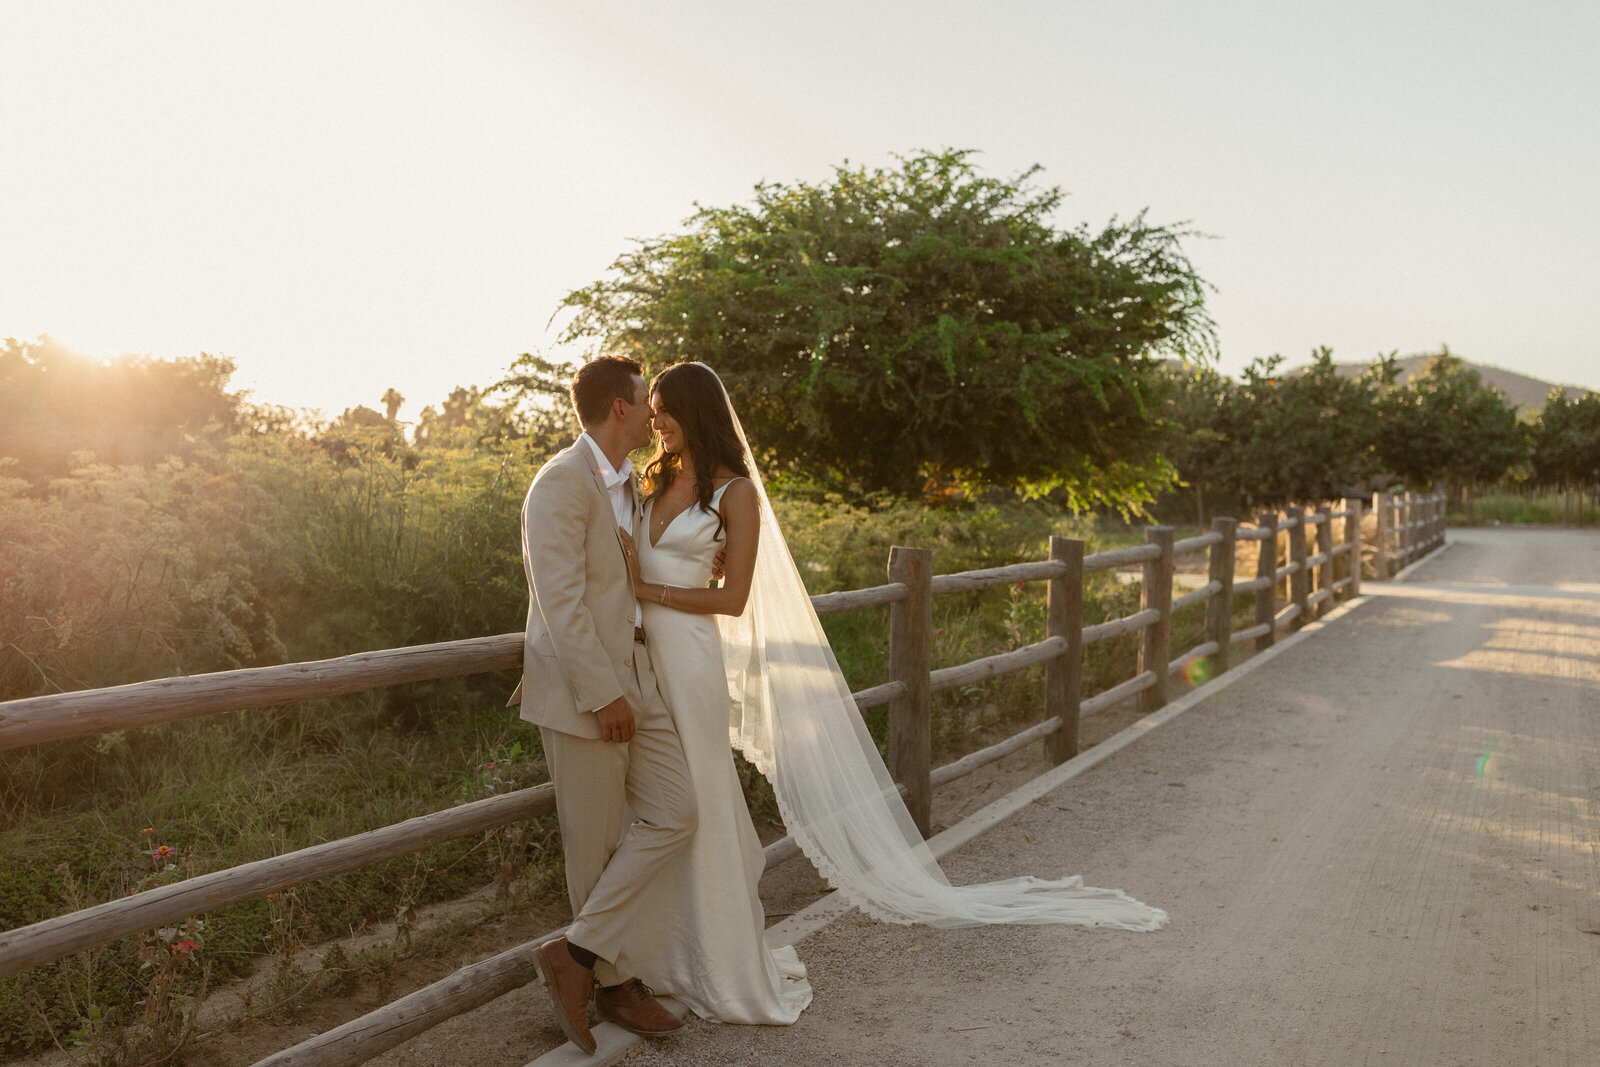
(737, 490)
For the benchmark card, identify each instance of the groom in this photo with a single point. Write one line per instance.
(608, 738)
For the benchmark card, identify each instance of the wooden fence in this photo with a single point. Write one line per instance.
(1408, 526)
(1304, 561)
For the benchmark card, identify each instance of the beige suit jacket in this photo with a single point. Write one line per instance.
(578, 649)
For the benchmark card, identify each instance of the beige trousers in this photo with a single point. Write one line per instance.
(599, 784)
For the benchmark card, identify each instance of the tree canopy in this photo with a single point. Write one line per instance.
(1447, 424)
(1275, 437)
(1566, 441)
(895, 326)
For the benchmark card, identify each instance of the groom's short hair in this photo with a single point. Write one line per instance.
(600, 381)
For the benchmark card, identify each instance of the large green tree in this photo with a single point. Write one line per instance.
(923, 322)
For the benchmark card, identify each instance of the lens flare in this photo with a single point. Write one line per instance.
(1198, 672)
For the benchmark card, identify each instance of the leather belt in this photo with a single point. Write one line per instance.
(638, 635)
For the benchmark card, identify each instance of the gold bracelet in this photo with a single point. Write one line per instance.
(663, 596)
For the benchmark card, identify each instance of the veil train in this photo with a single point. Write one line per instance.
(792, 715)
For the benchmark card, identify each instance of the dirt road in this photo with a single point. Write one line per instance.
(1380, 847)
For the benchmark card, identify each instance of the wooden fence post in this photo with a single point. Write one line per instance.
(1299, 581)
(1352, 536)
(1419, 540)
(1219, 607)
(1325, 568)
(1063, 676)
(910, 661)
(1380, 537)
(1156, 592)
(1267, 567)
(1402, 511)
(1408, 533)
(1413, 528)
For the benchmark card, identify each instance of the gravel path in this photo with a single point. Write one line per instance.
(1378, 848)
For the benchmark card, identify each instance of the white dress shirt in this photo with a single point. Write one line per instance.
(619, 488)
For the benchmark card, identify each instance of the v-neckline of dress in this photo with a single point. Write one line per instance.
(656, 540)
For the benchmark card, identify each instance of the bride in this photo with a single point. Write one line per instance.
(761, 674)
(707, 950)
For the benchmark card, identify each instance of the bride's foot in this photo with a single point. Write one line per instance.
(569, 983)
(633, 1007)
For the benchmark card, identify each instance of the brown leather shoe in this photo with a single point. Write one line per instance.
(570, 984)
(632, 1006)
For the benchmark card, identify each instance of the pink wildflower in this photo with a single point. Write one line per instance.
(147, 831)
(163, 851)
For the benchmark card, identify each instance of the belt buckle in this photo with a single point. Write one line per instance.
(638, 635)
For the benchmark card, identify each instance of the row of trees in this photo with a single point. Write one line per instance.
(1275, 436)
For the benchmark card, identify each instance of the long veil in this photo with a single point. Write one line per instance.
(792, 715)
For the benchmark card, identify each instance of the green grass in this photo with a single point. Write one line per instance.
(1526, 508)
(231, 789)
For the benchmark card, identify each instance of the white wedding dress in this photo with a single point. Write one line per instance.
(707, 949)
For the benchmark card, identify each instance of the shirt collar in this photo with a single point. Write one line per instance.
(612, 478)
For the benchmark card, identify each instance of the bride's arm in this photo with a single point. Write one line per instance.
(741, 530)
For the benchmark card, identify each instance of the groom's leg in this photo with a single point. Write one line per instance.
(590, 778)
(660, 797)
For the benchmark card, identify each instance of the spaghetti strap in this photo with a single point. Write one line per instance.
(716, 494)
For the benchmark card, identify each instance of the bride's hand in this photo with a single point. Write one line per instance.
(630, 553)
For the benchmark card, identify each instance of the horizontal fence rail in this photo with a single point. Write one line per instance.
(97, 711)
(1297, 556)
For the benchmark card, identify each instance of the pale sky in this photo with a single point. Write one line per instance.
(348, 196)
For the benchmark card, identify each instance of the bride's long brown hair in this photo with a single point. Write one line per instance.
(691, 394)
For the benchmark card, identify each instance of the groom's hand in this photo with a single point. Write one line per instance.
(616, 720)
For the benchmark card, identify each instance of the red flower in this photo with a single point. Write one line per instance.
(187, 945)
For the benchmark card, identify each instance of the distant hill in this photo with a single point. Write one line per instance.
(1526, 393)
